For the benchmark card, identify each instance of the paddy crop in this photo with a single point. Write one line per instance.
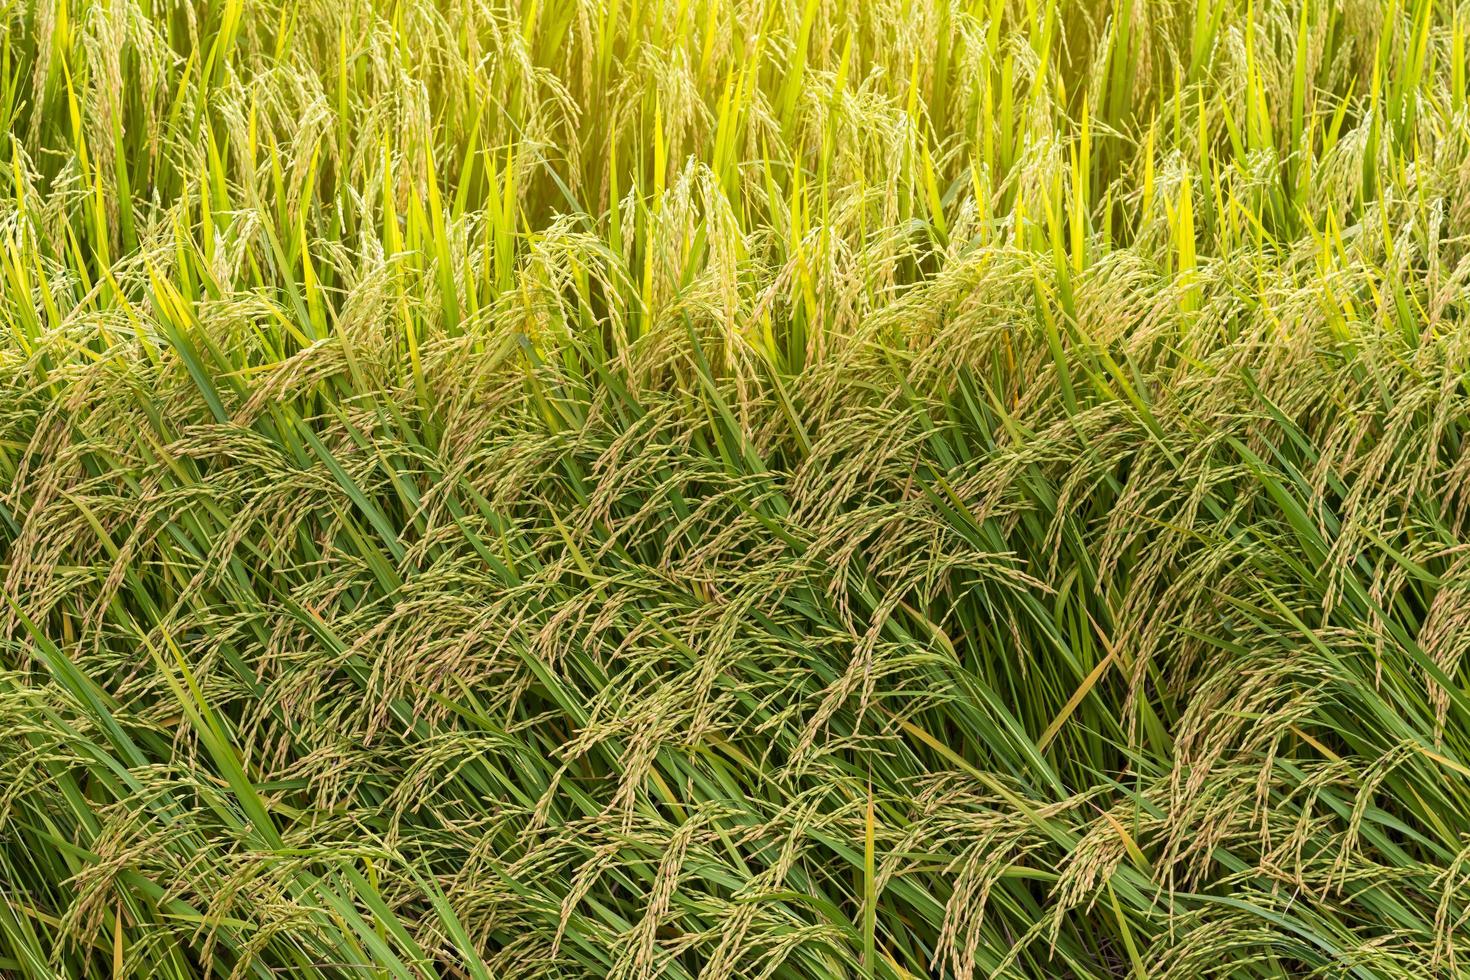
(734, 488)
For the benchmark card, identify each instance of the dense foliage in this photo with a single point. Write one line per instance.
(734, 488)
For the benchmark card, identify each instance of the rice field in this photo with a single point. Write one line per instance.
(757, 489)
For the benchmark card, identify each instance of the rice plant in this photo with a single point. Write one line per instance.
(735, 488)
